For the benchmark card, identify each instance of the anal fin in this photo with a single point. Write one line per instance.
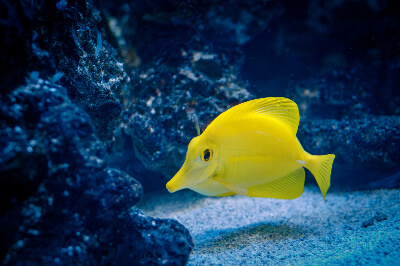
(290, 186)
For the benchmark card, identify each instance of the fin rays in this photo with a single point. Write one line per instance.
(279, 108)
(321, 166)
(290, 186)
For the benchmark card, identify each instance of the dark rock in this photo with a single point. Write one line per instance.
(94, 77)
(379, 217)
(61, 203)
(373, 140)
(366, 147)
(67, 38)
(222, 24)
(153, 246)
(368, 223)
(16, 31)
(359, 70)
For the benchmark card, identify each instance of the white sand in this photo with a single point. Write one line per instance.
(240, 230)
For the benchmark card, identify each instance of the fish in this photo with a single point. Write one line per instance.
(252, 150)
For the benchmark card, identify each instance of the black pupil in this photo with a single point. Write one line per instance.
(207, 155)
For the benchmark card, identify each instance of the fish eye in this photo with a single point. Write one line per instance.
(207, 155)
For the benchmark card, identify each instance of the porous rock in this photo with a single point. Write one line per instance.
(94, 76)
(363, 147)
(61, 203)
(16, 31)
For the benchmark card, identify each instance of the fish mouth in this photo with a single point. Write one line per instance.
(170, 187)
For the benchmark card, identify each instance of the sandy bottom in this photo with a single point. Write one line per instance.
(361, 227)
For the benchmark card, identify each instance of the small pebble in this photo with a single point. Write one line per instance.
(380, 217)
(368, 223)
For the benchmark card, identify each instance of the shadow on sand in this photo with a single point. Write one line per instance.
(242, 237)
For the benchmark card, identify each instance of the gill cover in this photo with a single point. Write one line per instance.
(200, 164)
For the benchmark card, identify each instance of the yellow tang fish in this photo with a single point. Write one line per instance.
(252, 150)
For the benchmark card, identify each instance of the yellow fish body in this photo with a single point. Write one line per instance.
(252, 150)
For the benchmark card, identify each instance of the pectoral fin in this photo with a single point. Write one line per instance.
(231, 187)
(290, 186)
(226, 194)
(210, 187)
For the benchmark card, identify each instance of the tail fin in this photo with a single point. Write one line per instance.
(321, 166)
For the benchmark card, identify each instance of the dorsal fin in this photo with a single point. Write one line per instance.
(282, 109)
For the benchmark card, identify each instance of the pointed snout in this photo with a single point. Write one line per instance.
(170, 186)
(176, 183)
(179, 181)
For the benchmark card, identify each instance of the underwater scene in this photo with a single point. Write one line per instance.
(199, 132)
